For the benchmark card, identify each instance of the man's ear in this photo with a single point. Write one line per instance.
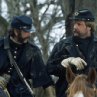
(15, 32)
(89, 28)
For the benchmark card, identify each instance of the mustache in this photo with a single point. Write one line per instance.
(76, 33)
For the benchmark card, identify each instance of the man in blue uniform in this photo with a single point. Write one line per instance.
(79, 51)
(27, 56)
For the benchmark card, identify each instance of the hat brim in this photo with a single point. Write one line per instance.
(82, 19)
(29, 30)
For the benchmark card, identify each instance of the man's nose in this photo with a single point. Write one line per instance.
(75, 26)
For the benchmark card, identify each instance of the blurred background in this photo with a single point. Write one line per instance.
(50, 18)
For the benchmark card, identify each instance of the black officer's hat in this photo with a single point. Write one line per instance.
(84, 15)
(22, 22)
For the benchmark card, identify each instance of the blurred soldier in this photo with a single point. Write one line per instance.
(27, 56)
(79, 51)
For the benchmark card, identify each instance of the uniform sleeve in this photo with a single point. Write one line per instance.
(38, 71)
(54, 66)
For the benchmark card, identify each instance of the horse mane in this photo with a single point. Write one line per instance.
(80, 82)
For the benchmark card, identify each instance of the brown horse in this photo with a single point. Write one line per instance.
(81, 85)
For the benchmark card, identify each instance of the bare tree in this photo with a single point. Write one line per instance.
(45, 16)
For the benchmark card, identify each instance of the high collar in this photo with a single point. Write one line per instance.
(13, 43)
(81, 40)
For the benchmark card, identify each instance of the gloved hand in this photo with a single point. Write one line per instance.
(65, 62)
(2, 82)
(4, 79)
(78, 62)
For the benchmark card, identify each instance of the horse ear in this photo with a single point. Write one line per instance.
(91, 76)
(69, 74)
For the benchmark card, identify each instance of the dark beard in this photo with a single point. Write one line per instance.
(76, 33)
(20, 39)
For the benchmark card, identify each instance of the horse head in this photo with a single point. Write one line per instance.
(81, 85)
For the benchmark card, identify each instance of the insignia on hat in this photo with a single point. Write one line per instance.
(76, 13)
